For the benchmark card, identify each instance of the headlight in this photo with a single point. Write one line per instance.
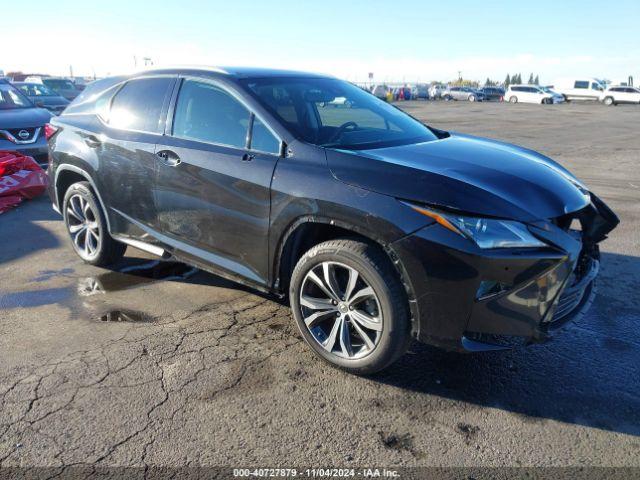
(485, 232)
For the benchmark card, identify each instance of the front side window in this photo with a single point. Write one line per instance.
(138, 105)
(335, 114)
(206, 113)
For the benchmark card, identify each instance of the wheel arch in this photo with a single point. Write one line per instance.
(308, 231)
(66, 175)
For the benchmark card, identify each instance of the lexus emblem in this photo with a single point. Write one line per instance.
(23, 134)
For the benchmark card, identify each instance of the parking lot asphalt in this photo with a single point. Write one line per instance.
(157, 364)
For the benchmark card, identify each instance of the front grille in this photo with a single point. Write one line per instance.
(577, 285)
(568, 301)
(21, 135)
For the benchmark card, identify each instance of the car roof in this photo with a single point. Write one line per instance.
(234, 72)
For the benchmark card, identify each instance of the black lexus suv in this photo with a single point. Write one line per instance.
(378, 228)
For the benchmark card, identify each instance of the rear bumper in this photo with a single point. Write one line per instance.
(467, 299)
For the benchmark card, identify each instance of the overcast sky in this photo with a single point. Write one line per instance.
(410, 40)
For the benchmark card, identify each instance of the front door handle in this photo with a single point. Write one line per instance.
(169, 158)
(247, 157)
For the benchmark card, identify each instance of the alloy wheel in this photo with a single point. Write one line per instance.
(341, 310)
(83, 225)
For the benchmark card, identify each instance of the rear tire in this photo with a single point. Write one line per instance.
(361, 295)
(472, 98)
(513, 100)
(447, 98)
(87, 227)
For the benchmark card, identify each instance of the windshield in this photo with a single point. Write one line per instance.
(37, 90)
(57, 84)
(336, 114)
(11, 98)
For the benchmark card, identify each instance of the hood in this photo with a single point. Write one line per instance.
(23, 118)
(470, 174)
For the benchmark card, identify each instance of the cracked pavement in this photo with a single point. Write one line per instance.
(107, 368)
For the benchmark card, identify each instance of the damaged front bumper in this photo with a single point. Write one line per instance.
(469, 299)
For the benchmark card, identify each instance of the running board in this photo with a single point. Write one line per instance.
(160, 252)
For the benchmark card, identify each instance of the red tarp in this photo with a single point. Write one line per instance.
(20, 178)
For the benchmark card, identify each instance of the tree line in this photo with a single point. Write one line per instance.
(515, 79)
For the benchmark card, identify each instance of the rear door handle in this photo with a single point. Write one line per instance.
(92, 141)
(169, 158)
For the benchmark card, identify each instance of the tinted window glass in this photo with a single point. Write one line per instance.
(336, 114)
(138, 105)
(37, 90)
(581, 84)
(58, 84)
(207, 113)
(11, 98)
(262, 139)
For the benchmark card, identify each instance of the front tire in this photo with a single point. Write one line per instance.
(513, 100)
(350, 305)
(608, 101)
(87, 227)
(472, 98)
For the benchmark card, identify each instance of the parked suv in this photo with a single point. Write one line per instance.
(463, 93)
(377, 227)
(22, 124)
(495, 94)
(614, 95)
(62, 86)
(43, 96)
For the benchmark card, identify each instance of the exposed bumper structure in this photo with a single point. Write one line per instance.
(470, 299)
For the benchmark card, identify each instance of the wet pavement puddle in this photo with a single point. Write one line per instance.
(135, 273)
(126, 316)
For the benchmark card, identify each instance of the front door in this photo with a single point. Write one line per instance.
(214, 171)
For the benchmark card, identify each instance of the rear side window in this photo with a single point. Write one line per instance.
(138, 105)
(581, 84)
(209, 114)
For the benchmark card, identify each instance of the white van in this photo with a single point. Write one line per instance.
(579, 88)
(529, 94)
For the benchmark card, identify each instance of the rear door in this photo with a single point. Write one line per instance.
(633, 95)
(214, 171)
(125, 148)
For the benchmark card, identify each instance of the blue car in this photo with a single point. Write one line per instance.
(22, 124)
